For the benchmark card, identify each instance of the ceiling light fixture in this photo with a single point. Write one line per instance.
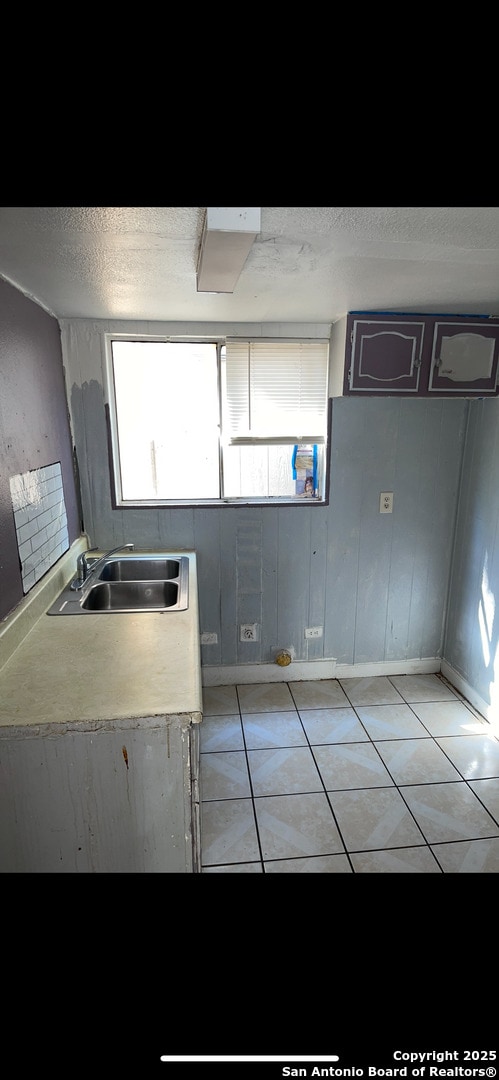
(228, 235)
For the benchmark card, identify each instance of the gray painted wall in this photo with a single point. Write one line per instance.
(472, 633)
(378, 584)
(34, 423)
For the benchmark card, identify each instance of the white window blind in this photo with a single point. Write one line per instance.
(275, 391)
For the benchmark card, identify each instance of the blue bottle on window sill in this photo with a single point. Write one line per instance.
(304, 466)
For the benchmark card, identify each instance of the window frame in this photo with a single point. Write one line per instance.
(219, 341)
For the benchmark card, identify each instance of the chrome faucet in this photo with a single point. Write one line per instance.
(83, 570)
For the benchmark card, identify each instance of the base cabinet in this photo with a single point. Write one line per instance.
(118, 797)
(414, 355)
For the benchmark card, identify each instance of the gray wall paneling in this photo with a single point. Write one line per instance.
(343, 541)
(293, 577)
(472, 631)
(378, 452)
(211, 575)
(317, 605)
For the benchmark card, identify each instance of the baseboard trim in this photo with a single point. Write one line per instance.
(259, 673)
(489, 712)
(427, 666)
(305, 670)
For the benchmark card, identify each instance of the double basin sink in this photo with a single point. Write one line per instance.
(152, 582)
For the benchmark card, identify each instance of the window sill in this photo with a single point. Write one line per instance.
(203, 504)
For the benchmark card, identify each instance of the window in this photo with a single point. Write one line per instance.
(211, 422)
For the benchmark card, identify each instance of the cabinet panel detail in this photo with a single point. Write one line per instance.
(386, 355)
(464, 357)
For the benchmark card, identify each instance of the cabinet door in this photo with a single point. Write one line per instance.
(464, 357)
(385, 356)
(100, 801)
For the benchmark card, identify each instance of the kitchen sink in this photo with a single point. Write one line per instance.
(131, 596)
(156, 582)
(139, 568)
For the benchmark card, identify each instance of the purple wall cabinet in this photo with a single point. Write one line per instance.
(414, 355)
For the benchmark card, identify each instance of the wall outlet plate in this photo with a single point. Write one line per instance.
(249, 632)
(313, 632)
(386, 502)
(209, 639)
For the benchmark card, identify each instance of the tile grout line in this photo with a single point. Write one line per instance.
(250, 781)
(340, 834)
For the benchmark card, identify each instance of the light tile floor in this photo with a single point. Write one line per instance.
(377, 775)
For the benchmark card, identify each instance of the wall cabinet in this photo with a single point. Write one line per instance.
(413, 355)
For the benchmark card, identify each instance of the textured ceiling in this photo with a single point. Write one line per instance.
(308, 264)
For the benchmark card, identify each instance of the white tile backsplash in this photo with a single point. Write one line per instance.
(40, 520)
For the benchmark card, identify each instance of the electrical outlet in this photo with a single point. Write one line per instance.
(248, 632)
(313, 632)
(386, 502)
(209, 639)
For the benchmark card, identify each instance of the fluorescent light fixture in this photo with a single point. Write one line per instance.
(228, 235)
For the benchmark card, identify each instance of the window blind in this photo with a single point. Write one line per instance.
(275, 390)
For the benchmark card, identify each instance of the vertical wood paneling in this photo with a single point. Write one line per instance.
(228, 583)
(424, 518)
(270, 560)
(206, 542)
(317, 588)
(483, 490)
(177, 529)
(406, 535)
(421, 618)
(344, 515)
(472, 628)
(249, 575)
(379, 429)
(443, 500)
(293, 578)
(135, 523)
(470, 542)
(384, 563)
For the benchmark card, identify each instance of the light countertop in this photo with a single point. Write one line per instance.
(72, 668)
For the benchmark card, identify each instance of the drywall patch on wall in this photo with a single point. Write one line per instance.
(40, 520)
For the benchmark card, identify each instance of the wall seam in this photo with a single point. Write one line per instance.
(450, 577)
